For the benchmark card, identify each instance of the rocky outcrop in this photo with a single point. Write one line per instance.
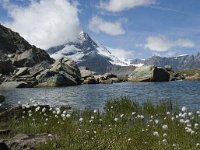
(6, 67)
(24, 141)
(13, 84)
(64, 72)
(23, 65)
(15, 48)
(195, 77)
(31, 57)
(2, 98)
(149, 74)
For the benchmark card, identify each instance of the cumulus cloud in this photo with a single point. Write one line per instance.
(97, 24)
(121, 53)
(45, 23)
(162, 43)
(120, 5)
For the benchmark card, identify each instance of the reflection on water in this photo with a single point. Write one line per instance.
(94, 96)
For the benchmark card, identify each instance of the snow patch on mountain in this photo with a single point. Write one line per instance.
(85, 46)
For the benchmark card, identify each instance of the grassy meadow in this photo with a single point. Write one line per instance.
(123, 125)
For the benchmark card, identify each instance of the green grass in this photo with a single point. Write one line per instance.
(124, 125)
(189, 72)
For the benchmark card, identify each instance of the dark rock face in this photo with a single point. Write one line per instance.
(149, 74)
(2, 98)
(6, 67)
(11, 42)
(160, 74)
(15, 48)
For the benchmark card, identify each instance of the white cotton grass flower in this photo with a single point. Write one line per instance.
(165, 127)
(92, 117)
(121, 115)
(155, 133)
(116, 119)
(189, 114)
(81, 119)
(133, 113)
(129, 139)
(164, 134)
(168, 113)
(184, 109)
(196, 125)
(43, 109)
(156, 121)
(68, 115)
(19, 102)
(95, 111)
(64, 112)
(164, 141)
(197, 144)
(198, 112)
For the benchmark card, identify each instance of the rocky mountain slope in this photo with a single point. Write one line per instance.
(88, 53)
(177, 63)
(24, 65)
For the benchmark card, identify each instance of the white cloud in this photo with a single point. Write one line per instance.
(97, 24)
(45, 23)
(121, 53)
(120, 5)
(162, 43)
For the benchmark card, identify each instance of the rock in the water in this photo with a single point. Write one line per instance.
(91, 80)
(13, 84)
(64, 72)
(149, 74)
(85, 72)
(50, 78)
(195, 77)
(23, 141)
(2, 98)
(68, 66)
(6, 67)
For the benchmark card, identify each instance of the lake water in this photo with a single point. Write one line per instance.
(185, 93)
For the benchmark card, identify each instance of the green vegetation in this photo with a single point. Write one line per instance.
(124, 125)
(190, 72)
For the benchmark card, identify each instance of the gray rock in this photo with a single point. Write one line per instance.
(149, 74)
(2, 98)
(85, 72)
(50, 78)
(6, 67)
(21, 71)
(68, 66)
(91, 80)
(13, 84)
(107, 81)
(31, 57)
(26, 142)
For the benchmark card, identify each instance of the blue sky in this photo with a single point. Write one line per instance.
(132, 29)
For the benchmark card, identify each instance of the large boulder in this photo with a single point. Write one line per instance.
(49, 78)
(68, 66)
(13, 84)
(31, 57)
(85, 72)
(149, 74)
(6, 67)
